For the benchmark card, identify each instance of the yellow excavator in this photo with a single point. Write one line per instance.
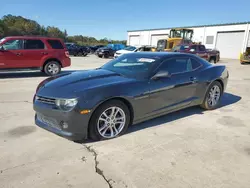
(245, 57)
(176, 37)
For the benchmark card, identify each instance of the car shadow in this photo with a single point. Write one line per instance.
(226, 100)
(28, 74)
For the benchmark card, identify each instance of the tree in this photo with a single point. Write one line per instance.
(17, 25)
(3, 29)
(55, 32)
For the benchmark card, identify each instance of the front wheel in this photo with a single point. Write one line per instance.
(79, 54)
(52, 68)
(212, 61)
(213, 96)
(110, 120)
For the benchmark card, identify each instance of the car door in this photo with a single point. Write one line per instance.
(34, 51)
(175, 91)
(11, 54)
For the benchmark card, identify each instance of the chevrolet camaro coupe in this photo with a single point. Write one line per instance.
(101, 103)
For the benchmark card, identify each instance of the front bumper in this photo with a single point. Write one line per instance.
(53, 119)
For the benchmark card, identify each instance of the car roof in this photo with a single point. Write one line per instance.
(32, 37)
(164, 54)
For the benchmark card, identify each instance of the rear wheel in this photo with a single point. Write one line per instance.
(213, 95)
(110, 120)
(52, 68)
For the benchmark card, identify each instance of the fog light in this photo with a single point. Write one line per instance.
(64, 125)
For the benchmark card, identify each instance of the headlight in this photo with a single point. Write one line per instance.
(66, 104)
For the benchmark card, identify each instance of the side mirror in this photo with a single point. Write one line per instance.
(161, 74)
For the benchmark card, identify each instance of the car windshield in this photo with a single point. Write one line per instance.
(133, 65)
(130, 48)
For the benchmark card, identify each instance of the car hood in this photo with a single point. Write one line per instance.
(71, 83)
(124, 51)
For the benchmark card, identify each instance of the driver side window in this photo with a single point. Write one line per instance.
(13, 45)
(176, 65)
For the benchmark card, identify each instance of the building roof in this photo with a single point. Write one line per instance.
(211, 25)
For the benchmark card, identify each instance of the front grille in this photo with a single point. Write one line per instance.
(48, 121)
(45, 100)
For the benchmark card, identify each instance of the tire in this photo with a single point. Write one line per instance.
(212, 61)
(97, 128)
(52, 68)
(85, 54)
(207, 100)
(79, 54)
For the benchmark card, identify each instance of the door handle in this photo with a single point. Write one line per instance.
(193, 79)
(44, 53)
(18, 54)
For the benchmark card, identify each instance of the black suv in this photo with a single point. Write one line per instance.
(77, 50)
(105, 52)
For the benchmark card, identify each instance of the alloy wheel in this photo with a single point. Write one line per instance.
(214, 95)
(111, 122)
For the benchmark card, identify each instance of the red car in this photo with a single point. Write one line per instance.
(25, 52)
(213, 56)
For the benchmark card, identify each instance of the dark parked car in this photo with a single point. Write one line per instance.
(102, 103)
(46, 54)
(96, 47)
(213, 56)
(105, 52)
(77, 50)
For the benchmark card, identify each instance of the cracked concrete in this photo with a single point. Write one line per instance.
(97, 169)
(191, 148)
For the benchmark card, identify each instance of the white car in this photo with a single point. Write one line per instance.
(129, 49)
(132, 49)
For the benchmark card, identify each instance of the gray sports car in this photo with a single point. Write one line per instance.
(102, 103)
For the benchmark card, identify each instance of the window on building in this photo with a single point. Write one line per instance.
(210, 40)
(33, 44)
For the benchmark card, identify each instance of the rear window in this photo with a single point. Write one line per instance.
(202, 48)
(55, 44)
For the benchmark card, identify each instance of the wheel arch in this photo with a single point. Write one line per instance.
(122, 99)
(221, 83)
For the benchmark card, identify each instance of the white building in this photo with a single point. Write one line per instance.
(230, 39)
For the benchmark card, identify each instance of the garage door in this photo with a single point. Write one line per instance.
(229, 44)
(134, 40)
(155, 38)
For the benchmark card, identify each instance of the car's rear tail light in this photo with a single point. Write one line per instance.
(67, 53)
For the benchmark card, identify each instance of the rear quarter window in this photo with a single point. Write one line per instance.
(55, 44)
